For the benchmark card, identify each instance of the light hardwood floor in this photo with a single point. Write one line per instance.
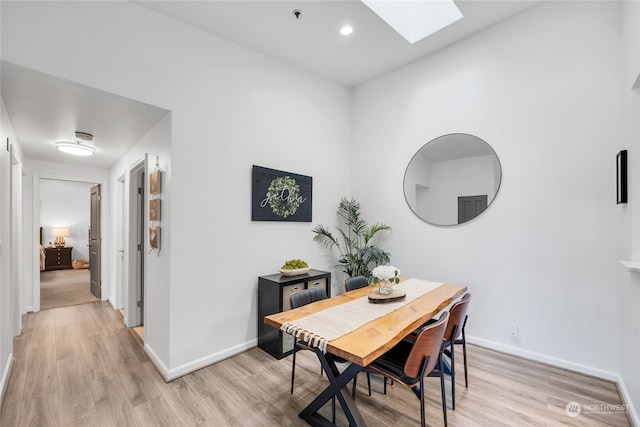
(79, 366)
(60, 288)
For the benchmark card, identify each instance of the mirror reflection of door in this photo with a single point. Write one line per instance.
(470, 207)
(448, 168)
(94, 242)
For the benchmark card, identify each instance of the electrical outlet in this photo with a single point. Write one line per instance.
(513, 326)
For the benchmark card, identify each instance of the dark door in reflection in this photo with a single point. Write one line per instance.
(470, 207)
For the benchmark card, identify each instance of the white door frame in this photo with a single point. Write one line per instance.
(133, 269)
(120, 278)
(15, 221)
(104, 230)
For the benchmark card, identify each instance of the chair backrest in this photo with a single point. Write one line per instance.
(307, 296)
(355, 283)
(428, 344)
(457, 318)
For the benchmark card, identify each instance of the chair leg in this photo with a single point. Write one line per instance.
(384, 386)
(453, 377)
(369, 383)
(444, 398)
(293, 366)
(464, 356)
(423, 421)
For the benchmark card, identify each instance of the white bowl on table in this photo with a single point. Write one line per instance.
(295, 271)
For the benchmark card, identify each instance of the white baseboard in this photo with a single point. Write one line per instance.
(565, 364)
(4, 380)
(30, 309)
(561, 363)
(160, 366)
(633, 413)
(172, 374)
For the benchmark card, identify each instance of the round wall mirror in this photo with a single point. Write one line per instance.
(452, 179)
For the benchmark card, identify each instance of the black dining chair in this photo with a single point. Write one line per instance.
(454, 334)
(357, 282)
(409, 362)
(298, 299)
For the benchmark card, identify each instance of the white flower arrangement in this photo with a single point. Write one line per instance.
(386, 273)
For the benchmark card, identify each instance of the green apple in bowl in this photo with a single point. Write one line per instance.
(294, 267)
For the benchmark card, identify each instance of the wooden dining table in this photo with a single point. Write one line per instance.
(364, 344)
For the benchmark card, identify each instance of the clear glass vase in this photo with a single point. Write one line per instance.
(386, 288)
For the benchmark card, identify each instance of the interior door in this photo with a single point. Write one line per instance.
(94, 242)
(140, 215)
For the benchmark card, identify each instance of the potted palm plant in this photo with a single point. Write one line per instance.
(353, 241)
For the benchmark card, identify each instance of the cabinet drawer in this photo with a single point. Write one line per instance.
(319, 283)
(288, 290)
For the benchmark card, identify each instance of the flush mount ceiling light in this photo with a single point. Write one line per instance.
(415, 20)
(77, 148)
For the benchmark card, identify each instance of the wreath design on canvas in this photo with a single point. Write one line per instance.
(284, 196)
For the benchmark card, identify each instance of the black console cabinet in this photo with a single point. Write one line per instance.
(273, 297)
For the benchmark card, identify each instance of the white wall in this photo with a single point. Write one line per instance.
(230, 108)
(11, 278)
(156, 144)
(630, 288)
(66, 204)
(543, 90)
(6, 344)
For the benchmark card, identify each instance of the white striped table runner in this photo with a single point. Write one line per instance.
(327, 325)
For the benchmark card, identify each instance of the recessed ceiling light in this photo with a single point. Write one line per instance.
(76, 148)
(346, 30)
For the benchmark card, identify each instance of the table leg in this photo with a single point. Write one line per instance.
(337, 388)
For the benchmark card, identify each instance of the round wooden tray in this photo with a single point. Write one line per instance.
(378, 298)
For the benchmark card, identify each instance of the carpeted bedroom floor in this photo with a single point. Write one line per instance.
(61, 288)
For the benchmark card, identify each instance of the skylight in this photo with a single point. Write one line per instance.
(415, 19)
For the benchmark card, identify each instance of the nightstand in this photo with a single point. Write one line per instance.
(58, 258)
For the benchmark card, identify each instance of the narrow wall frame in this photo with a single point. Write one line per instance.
(621, 177)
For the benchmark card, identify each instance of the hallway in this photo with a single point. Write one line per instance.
(71, 366)
(80, 366)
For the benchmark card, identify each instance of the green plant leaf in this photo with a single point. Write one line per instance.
(356, 255)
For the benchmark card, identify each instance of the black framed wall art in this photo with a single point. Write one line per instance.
(280, 196)
(621, 177)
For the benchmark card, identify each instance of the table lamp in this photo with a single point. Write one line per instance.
(60, 234)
